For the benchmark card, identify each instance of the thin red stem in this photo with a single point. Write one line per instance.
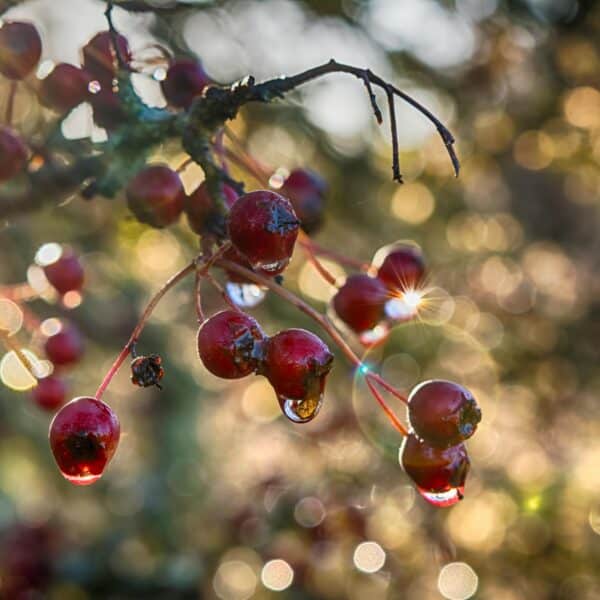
(198, 297)
(388, 411)
(246, 165)
(304, 241)
(222, 291)
(338, 258)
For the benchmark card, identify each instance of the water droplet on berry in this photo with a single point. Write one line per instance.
(272, 268)
(399, 310)
(301, 411)
(443, 499)
(81, 479)
(245, 295)
(374, 336)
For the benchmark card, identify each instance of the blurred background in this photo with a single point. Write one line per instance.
(212, 493)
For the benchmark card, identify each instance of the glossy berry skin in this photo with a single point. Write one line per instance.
(403, 269)
(84, 435)
(20, 49)
(64, 88)
(200, 207)
(296, 363)
(436, 470)
(185, 80)
(100, 59)
(13, 154)
(306, 190)
(107, 109)
(230, 344)
(65, 274)
(443, 413)
(65, 347)
(156, 196)
(263, 227)
(50, 393)
(360, 302)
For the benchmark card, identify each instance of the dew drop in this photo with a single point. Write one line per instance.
(443, 499)
(374, 336)
(81, 479)
(274, 267)
(245, 295)
(399, 310)
(301, 411)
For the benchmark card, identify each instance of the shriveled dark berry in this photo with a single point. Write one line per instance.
(147, 370)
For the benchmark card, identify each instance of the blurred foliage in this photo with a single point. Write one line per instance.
(209, 483)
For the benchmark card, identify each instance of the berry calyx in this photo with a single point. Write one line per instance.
(263, 227)
(156, 196)
(66, 273)
(360, 302)
(297, 363)
(185, 80)
(147, 371)
(443, 413)
(84, 435)
(50, 393)
(65, 347)
(64, 88)
(13, 153)
(100, 59)
(403, 269)
(201, 208)
(439, 473)
(230, 344)
(306, 190)
(20, 49)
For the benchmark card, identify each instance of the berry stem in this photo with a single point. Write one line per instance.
(10, 103)
(388, 411)
(304, 241)
(198, 297)
(175, 279)
(12, 345)
(222, 291)
(338, 258)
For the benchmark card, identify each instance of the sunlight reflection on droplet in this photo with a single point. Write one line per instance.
(369, 557)
(94, 87)
(457, 581)
(48, 254)
(277, 179)
(11, 316)
(160, 74)
(277, 575)
(15, 375)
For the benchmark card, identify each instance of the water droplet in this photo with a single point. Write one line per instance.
(274, 267)
(374, 336)
(245, 295)
(301, 411)
(443, 499)
(81, 479)
(399, 310)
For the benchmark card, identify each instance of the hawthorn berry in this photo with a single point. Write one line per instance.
(200, 207)
(50, 392)
(100, 59)
(360, 302)
(403, 269)
(107, 109)
(230, 344)
(13, 153)
(443, 413)
(439, 473)
(296, 363)
(65, 347)
(263, 227)
(66, 273)
(147, 371)
(306, 190)
(185, 80)
(156, 196)
(84, 435)
(64, 88)
(20, 49)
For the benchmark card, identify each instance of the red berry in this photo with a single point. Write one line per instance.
(360, 302)
(64, 88)
(50, 393)
(64, 347)
(185, 80)
(156, 196)
(230, 344)
(66, 273)
(297, 363)
(200, 207)
(20, 49)
(100, 59)
(83, 436)
(107, 109)
(443, 413)
(403, 269)
(13, 153)
(306, 190)
(263, 227)
(439, 473)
